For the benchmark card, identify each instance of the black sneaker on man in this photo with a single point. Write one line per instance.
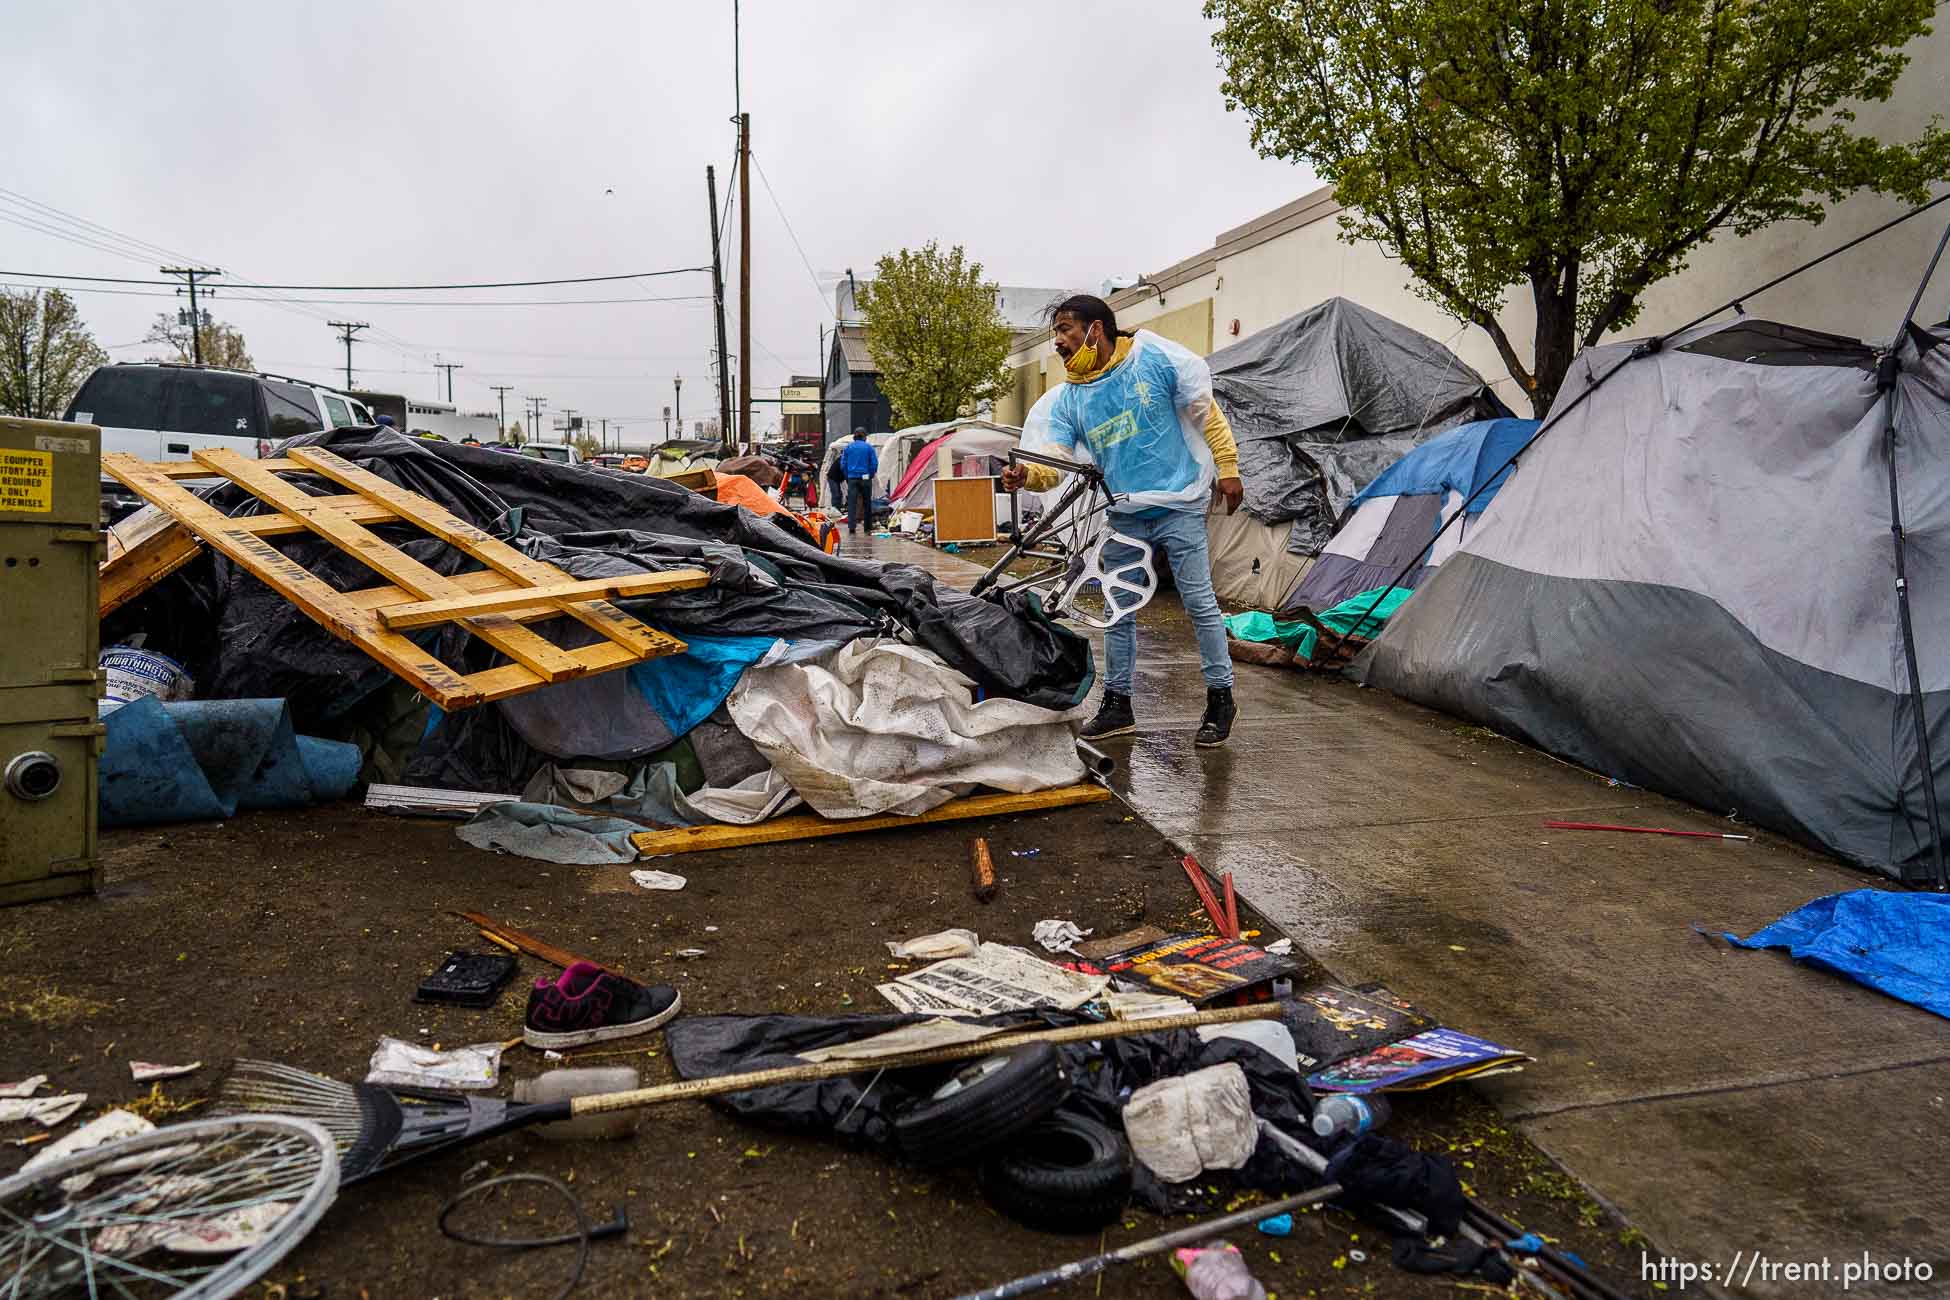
(587, 1004)
(1114, 718)
(1216, 725)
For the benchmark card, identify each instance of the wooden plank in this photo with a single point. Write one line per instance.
(543, 658)
(144, 565)
(479, 580)
(174, 469)
(613, 623)
(356, 508)
(428, 612)
(805, 826)
(312, 594)
(964, 509)
(531, 945)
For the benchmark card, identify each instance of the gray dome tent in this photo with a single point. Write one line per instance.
(1689, 584)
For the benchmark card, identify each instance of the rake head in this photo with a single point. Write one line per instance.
(374, 1128)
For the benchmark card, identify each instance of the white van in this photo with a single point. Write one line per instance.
(166, 411)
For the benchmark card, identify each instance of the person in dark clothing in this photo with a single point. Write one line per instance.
(859, 461)
(836, 484)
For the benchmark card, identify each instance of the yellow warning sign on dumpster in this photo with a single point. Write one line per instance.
(26, 481)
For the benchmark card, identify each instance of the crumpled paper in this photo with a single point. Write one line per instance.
(48, 1110)
(658, 879)
(401, 1064)
(936, 947)
(1058, 936)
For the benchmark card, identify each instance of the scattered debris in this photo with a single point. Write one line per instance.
(1058, 936)
(583, 1081)
(1646, 830)
(111, 1127)
(658, 879)
(1280, 1225)
(1181, 1127)
(1427, 1060)
(1024, 853)
(935, 947)
(1280, 947)
(1143, 1006)
(421, 801)
(1216, 1271)
(467, 979)
(981, 870)
(400, 1064)
(23, 1088)
(688, 954)
(144, 1071)
(1001, 978)
(48, 1111)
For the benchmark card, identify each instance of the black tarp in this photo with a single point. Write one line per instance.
(239, 639)
(859, 1109)
(1324, 401)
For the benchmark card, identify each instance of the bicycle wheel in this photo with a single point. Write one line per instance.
(197, 1210)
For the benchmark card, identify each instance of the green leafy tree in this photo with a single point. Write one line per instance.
(1581, 148)
(934, 331)
(223, 344)
(586, 445)
(45, 353)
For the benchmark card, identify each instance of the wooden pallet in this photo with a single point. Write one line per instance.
(494, 603)
(806, 826)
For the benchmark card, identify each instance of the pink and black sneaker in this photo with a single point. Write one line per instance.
(587, 1004)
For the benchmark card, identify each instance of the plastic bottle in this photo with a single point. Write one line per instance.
(1217, 1271)
(560, 1085)
(1345, 1115)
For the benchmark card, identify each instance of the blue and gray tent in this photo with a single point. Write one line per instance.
(1689, 583)
(1388, 529)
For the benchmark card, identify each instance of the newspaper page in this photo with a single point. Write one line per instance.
(1003, 978)
(920, 1002)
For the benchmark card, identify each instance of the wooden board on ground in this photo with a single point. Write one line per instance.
(494, 604)
(697, 480)
(964, 509)
(806, 826)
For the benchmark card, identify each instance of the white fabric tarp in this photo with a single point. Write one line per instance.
(876, 726)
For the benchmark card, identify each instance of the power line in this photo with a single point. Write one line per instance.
(376, 288)
(375, 302)
(778, 207)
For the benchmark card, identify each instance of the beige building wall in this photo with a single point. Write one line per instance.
(1293, 258)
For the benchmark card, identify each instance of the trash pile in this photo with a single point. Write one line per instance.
(715, 664)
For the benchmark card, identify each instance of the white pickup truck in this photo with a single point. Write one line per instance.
(166, 411)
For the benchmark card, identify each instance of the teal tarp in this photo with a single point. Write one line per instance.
(1344, 617)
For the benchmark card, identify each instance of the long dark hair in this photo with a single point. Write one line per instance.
(1088, 307)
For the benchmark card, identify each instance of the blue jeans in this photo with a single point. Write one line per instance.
(859, 492)
(1180, 534)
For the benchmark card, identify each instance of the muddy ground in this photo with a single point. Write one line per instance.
(300, 938)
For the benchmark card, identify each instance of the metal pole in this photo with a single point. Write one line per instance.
(717, 292)
(347, 329)
(1886, 379)
(192, 273)
(679, 382)
(745, 279)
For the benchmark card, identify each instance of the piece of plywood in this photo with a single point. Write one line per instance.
(806, 826)
(964, 509)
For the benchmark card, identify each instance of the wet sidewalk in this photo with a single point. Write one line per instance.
(1737, 1109)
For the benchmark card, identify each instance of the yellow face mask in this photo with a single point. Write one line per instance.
(1081, 362)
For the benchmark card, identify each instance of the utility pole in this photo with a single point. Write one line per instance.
(535, 405)
(744, 279)
(347, 328)
(605, 443)
(501, 392)
(679, 381)
(449, 367)
(717, 291)
(568, 424)
(193, 274)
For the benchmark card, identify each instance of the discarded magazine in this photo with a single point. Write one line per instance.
(1427, 1060)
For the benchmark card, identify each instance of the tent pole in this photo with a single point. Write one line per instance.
(1886, 379)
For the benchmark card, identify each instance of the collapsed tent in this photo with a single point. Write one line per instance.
(967, 440)
(1320, 403)
(768, 583)
(1395, 518)
(1688, 584)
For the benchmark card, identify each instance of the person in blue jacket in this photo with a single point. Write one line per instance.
(859, 462)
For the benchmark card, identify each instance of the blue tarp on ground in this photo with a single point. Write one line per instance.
(204, 759)
(1896, 943)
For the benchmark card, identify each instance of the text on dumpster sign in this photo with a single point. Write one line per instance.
(27, 481)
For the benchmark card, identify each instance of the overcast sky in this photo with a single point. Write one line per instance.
(366, 143)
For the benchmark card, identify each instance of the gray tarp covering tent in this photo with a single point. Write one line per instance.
(1325, 400)
(1689, 584)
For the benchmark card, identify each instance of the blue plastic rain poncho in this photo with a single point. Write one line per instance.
(1142, 423)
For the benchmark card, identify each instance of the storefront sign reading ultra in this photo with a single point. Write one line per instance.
(26, 481)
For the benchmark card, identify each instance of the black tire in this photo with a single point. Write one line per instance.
(982, 1106)
(1068, 1174)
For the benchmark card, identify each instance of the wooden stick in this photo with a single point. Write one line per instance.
(1232, 907)
(812, 1071)
(805, 826)
(428, 612)
(982, 868)
(1196, 874)
(510, 937)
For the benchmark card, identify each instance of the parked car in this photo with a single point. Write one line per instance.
(560, 453)
(166, 411)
